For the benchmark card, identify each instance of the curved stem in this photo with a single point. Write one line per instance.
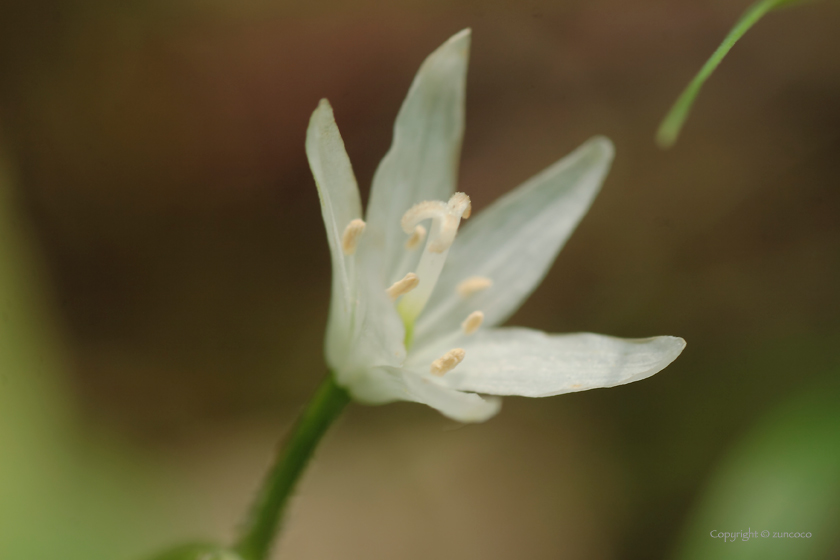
(671, 125)
(264, 520)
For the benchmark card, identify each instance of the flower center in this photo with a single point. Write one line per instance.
(415, 288)
(445, 217)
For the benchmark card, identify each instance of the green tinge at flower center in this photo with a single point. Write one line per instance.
(446, 217)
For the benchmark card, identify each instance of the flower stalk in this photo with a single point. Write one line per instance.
(671, 125)
(266, 515)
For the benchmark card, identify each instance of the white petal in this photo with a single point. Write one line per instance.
(422, 163)
(379, 331)
(378, 385)
(364, 329)
(388, 384)
(340, 204)
(517, 361)
(515, 241)
(463, 407)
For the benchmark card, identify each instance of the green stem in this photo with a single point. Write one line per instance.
(671, 125)
(263, 523)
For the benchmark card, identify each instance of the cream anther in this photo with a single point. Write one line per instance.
(457, 205)
(460, 203)
(473, 285)
(416, 238)
(448, 361)
(446, 234)
(472, 322)
(350, 238)
(401, 287)
(445, 218)
(426, 210)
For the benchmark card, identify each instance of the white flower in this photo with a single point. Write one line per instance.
(415, 309)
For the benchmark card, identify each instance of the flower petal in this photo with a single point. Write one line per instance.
(515, 241)
(378, 330)
(364, 328)
(388, 384)
(518, 361)
(460, 406)
(340, 204)
(379, 385)
(422, 163)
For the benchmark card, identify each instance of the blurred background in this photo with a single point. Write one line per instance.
(165, 275)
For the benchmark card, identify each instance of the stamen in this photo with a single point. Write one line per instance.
(446, 235)
(471, 323)
(426, 210)
(468, 212)
(457, 205)
(350, 238)
(416, 238)
(448, 361)
(403, 286)
(445, 217)
(459, 202)
(473, 285)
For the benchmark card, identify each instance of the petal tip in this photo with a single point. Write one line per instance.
(464, 34)
(323, 105)
(483, 409)
(323, 112)
(673, 347)
(459, 43)
(679, 344)
(604, 146)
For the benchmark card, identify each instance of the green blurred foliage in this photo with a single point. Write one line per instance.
(783, 476)
(65, 491)
(198, 552)
(160, 150)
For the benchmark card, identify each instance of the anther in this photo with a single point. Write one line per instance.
(448, 361)
(445, 218)
(426, 210)
(416, 238)
(468, 212)
(472, 322)
(473, 285)
(350, 238)
(459, 203)
(448, 229)
(401, 287)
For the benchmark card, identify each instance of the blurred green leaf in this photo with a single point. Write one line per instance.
(198, 552)
(673, 122)
(65, 492)
(784, 476)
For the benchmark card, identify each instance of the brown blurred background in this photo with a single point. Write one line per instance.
(158, 152)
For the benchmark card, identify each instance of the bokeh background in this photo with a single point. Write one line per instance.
(165, 277)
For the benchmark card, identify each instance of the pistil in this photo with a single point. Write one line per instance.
(446, 217)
